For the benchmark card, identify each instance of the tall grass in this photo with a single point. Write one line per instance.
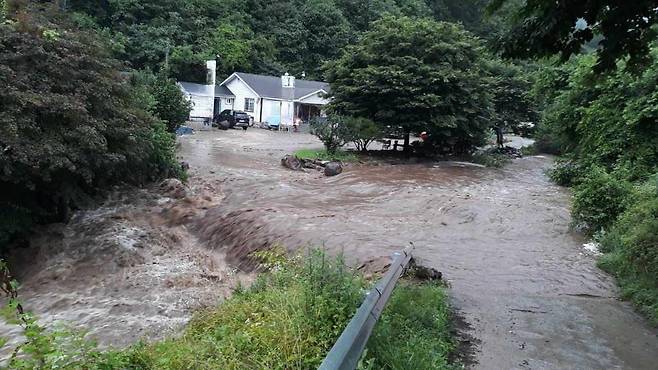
(414, 332)
(323, 155)
(289, 319)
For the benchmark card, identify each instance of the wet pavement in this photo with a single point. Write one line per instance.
(532, 295)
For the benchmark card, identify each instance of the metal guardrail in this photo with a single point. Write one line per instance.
(345, 353)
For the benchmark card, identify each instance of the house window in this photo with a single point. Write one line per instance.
(249, 104)
(229, 101)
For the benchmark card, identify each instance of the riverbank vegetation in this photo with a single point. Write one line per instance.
(324, 155)
(605, 128)
(599, 114)
(74, 122)
(289, 318)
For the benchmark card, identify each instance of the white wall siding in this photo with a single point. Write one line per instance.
(314, 99)
(201, 106)
(241, 92)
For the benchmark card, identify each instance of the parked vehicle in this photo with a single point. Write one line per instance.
(229, 118)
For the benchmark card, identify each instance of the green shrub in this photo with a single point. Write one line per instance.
(361, 131)
(632, 249)
(332, 131)
(566, 172)
(635, 234)
(415, 330)
(599, 199)
(170, 103)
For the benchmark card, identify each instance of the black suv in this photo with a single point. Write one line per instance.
(229, 118)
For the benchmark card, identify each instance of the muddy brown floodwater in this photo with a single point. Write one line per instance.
(532, 295)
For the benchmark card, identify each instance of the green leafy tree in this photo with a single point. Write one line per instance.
(71, 132)
(547, 27)
(419, 75)
(332, 131)
(328, 31)
(362, 132)
(170, 103)
(512, 101)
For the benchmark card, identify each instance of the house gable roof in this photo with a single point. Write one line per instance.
(221, 90)
(270, 86)
(192, 88)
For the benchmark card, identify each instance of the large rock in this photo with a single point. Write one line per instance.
(291, 162)
(333, 168)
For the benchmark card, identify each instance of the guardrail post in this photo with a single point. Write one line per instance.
(347, 350)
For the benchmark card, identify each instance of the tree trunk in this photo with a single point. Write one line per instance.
(406, 148)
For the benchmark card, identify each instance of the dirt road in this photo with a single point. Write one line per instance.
(533, 296)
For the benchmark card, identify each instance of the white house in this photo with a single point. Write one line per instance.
(276, 99)
(265, 98)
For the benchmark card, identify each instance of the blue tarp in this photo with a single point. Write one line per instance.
(273, 121)
(184, 130)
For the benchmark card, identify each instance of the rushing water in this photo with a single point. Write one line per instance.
(501, 237)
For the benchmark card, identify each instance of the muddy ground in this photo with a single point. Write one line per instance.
(143, 262)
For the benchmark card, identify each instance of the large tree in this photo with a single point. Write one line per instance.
(419, 75)
(70, 125)
(546, 27)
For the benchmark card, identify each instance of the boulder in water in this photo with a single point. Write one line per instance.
(333, 168)
(291, 162)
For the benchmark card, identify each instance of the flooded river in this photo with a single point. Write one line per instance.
(532, 295)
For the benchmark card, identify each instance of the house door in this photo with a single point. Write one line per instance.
(217, 108)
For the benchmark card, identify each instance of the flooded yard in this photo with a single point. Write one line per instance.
(523, 281)
(140, 264)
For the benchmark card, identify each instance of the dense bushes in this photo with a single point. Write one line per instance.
(288, 319)
(632, 249)
(599, 199)
(70, 123)
(607, 129)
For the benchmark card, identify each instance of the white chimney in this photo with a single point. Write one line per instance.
(287, 81)
(211, 67)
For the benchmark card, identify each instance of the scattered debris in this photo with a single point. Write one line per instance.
(526, 310)
(592, 248)
(509, 151)
(375, 267)
(292, 162)
(330, 168)
(423, 273)
(184, 166)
